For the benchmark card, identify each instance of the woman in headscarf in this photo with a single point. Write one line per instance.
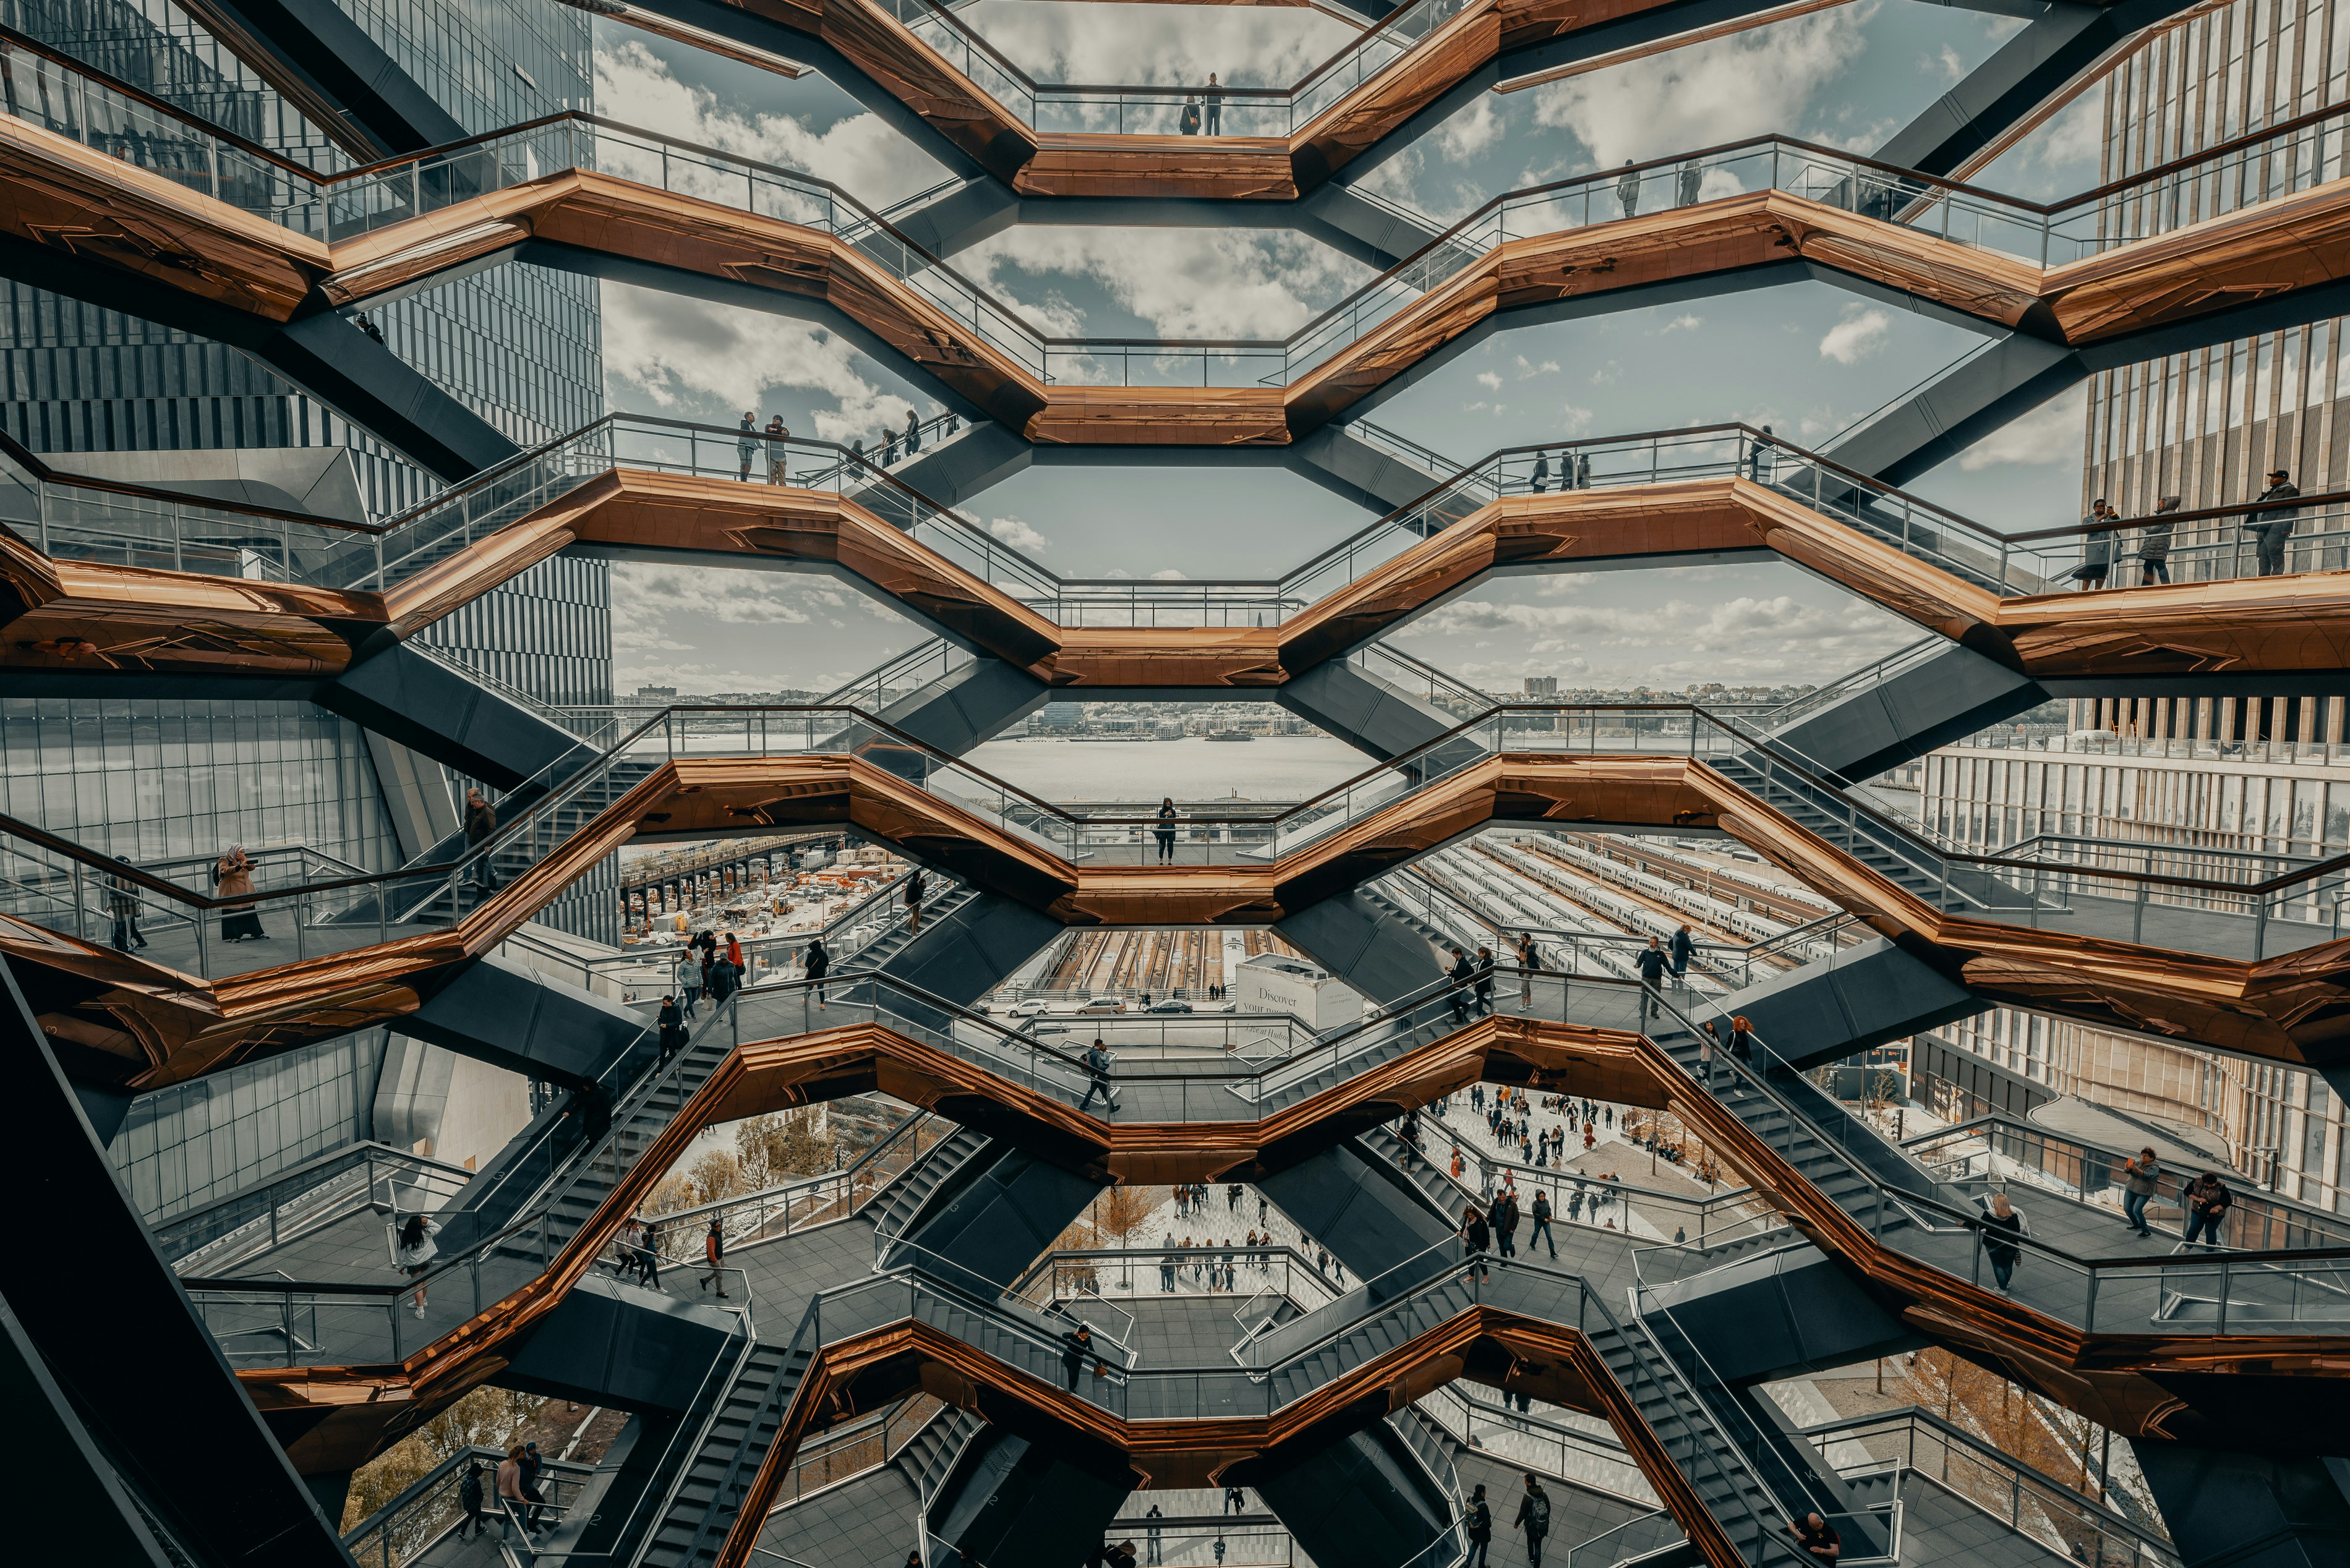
(233, 876)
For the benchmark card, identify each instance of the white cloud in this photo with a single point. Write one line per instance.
(1862, 331)
(1169, 575)
(861, 153)
(667, 347)
(648, 601)
(1489, 381)
(1018, 535)
(1156, 45)
(1528, 370)
(1721, 91)
(1474, 131)
(2075, 134)
(1574, 420)
(1186, 283)
(2050, 433)
(1578, 620)
(1681, 323)
(1944, 65)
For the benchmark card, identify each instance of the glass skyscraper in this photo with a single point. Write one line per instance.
(518, 346)
(164, 780)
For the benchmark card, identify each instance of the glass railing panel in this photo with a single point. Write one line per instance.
(2200, 550)
(75, 522)
(1627, 1543)
(901, 676)
(2265, 170)
(427, 535)
(2049, 1511)
(213, 1240)
(47, 93)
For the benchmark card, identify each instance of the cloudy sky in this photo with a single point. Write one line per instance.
(1808, 360)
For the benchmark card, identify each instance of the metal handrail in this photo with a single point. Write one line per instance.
(1279, 591)
(1347, 310)
(1916, 1416)
(907, 1129)
(289, 1186)
(2273, 1209)
(1930, 1212)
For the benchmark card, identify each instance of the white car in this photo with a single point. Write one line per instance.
(1027, 1007)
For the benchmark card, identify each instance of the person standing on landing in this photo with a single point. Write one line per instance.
(232, 877)
(1540, 1232)
(1534, 1518)
(1652, 963)
(2141, 1178)
(713, 1254)
(2002, 1225)
(819, 964)
(2207, 1201)
(2154, 543)
(1480, 1529)
(779, 452)
(2270, 530)
(415, 1252)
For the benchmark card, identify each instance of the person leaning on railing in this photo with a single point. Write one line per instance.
(1817, 1538)
(2207, 1201)
(2154, 543)
(2270, 529)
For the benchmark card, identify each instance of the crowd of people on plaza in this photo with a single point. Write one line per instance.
(1217, 1266)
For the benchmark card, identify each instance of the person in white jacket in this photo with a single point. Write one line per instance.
(414, 1251)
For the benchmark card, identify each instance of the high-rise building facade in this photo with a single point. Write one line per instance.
(2231, 777)
(519, 346)
(2246, 775)
(2207, 426)
(176, 781)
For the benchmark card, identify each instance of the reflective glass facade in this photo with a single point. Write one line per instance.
(159, 779)
(206, 1139)
(2233, 773)
(549, 632)
(518, 346)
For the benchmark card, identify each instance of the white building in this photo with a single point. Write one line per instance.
(1272, 982)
